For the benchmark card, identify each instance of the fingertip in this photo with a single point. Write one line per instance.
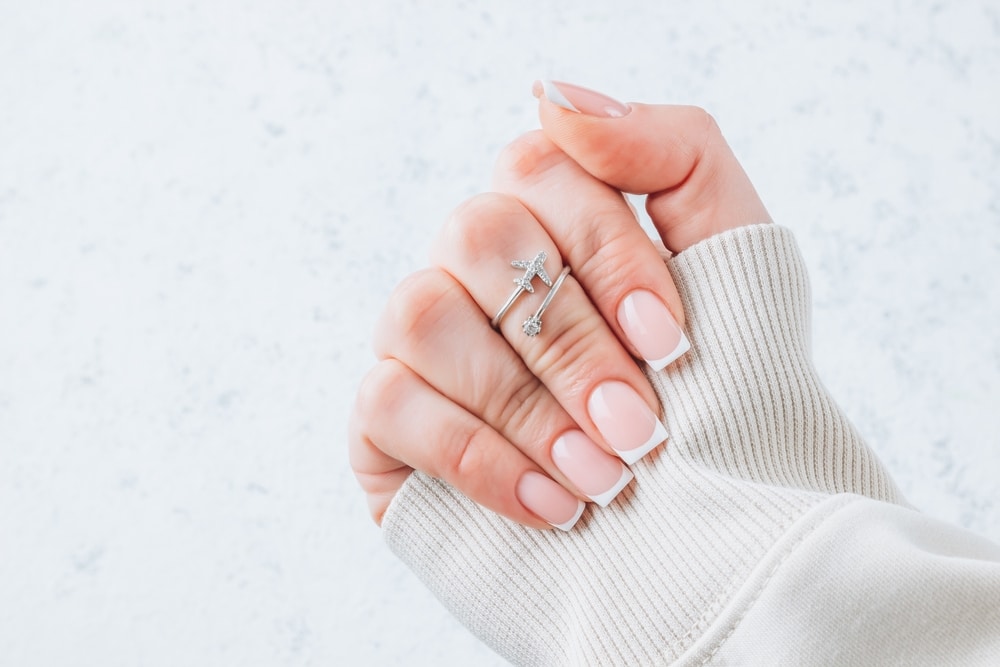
(682, 347)
(651, 327)
(568, 525)
(548, 500)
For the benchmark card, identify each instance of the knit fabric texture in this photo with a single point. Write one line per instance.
(755, 443)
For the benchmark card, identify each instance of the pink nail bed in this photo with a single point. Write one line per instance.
(583, 100)
(652, 329)
(598, 475)
(625, 420)
(548, 500)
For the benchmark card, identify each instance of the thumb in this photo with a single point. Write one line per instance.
(675, 154)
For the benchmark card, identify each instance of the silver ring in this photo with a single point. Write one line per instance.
(532, 267)
(533, 325)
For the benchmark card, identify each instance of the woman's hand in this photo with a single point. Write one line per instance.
(533, 426)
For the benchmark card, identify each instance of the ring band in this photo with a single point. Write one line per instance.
(495, 322)
(533, 325)
(532, 268)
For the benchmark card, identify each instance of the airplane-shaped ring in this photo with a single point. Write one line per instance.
(532, 268)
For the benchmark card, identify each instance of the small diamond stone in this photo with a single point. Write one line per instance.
(532, 325)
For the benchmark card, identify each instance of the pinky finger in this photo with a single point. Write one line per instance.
(402, 423)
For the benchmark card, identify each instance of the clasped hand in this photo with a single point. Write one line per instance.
(535, 426)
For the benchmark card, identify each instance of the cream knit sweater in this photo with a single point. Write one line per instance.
(764, 532)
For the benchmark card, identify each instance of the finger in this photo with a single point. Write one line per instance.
(379, 475)
(596, 231)
(434, 327)
(403, 418)
(575, 355)
(675, 154)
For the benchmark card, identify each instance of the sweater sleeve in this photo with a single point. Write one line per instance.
(704, 557)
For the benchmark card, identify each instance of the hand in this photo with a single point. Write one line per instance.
(531, 427)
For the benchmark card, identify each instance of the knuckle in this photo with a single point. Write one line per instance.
(518, 410)
(572, 356)
(612, 162)
(356, 433)
(464, 455)
(382, 390)
(700, 117)
(707, 129)
(473, 227)
(411, 310)
(529, 153)
(606, 253)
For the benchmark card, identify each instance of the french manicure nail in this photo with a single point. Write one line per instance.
(547, 499)
(599, 476)
(625, 421)
(652, 329)
(581, 100)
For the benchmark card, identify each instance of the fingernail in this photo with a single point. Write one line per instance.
(579, 99)
(547, 499)
(599, 476)
(652, 329)
(625, 420)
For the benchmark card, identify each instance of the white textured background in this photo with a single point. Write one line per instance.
(203, 206)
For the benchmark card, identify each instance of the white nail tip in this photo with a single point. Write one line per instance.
(603, 499)
(683, 345)
(630, 456)
(554, 95)
(576, 517)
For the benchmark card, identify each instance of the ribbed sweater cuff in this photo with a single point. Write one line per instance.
(755, 443)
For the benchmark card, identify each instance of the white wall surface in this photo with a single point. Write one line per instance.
(203, 206)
